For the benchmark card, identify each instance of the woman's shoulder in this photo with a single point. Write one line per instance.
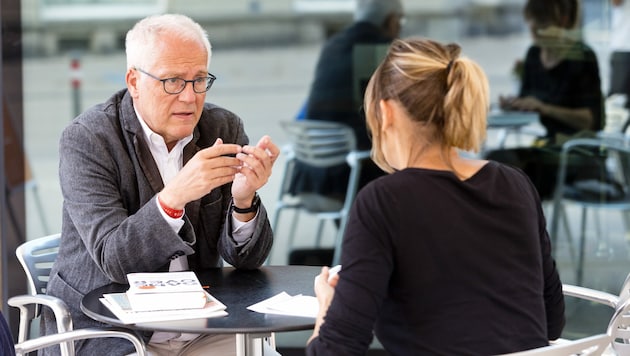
(506, 176)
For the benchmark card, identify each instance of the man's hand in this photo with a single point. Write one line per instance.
(256, 166)
(208, 169)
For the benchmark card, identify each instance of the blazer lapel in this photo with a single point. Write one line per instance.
(192, 208)
(147, 163)
(140, 148)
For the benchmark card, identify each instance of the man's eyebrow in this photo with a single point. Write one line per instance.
(200, 73)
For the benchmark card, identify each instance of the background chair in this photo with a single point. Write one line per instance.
(610, 191)
(320, 144)
(37, 257)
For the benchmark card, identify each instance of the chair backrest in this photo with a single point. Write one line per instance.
(37, 257)
(613, 184)
(319, 143)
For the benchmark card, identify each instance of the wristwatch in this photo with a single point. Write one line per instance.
(251, 209)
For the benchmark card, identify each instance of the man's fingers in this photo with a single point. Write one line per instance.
(265, 143)
(224, 149)
(224, 161)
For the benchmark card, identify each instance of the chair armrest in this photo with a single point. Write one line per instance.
(592, 295)
(27, 304)
(27, 346)
(287, 150)
(354, 157)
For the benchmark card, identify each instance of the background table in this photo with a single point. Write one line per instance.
(510, 121)
(236, 289)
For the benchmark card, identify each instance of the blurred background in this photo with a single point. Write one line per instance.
(264, 54)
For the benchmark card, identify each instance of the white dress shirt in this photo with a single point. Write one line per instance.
(169, 164)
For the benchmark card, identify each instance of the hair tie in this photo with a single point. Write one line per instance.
(449, 66)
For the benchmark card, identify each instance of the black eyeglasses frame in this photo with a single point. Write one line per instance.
(209, 81)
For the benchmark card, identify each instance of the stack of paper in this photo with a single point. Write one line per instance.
(165, 291)
(286, 304)
(170, 296)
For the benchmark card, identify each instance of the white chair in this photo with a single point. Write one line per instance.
(37, 257)
(65, 338)
(319, 144)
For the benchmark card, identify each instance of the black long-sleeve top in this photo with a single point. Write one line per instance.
(574, 83)
(438, 266)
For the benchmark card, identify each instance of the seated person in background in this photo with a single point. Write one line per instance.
(337, 91)
(437, 259)
(561, 82)
(156, 179)
(620, 49)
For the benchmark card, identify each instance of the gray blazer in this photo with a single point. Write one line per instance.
(111, 223)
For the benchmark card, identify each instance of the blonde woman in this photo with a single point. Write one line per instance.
(446, 254)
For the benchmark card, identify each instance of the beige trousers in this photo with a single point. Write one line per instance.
(204, 345)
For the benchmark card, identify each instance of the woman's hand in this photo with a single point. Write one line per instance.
(324, 291)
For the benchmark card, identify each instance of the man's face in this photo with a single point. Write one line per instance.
(173, 116)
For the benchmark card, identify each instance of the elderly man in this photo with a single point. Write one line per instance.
(156, 179)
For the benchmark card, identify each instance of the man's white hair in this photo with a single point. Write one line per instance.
(141, 41)
(376, 11)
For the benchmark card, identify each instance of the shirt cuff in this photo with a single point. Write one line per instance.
(243, 231)
(175, 224)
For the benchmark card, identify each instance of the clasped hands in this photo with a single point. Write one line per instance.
(247, 167)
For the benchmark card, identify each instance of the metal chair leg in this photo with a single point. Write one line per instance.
(580, 265)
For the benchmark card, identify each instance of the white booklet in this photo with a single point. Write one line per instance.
(165, 291)
(119, 305)
(286, 304)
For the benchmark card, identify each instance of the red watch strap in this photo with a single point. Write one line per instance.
(173, 213)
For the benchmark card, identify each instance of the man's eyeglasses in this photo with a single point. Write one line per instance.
(176, 85)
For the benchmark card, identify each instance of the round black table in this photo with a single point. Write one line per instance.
(236, 289)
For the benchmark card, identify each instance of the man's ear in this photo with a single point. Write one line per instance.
(131, 78)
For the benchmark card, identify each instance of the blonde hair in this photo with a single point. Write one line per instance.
(438, 89)
(141, 41)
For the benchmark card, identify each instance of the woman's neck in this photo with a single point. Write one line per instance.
(437, 157)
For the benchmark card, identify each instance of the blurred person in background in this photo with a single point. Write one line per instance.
(620, 49)
(561, 82)
(155, 179)
(345, 64)
(437, 259)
